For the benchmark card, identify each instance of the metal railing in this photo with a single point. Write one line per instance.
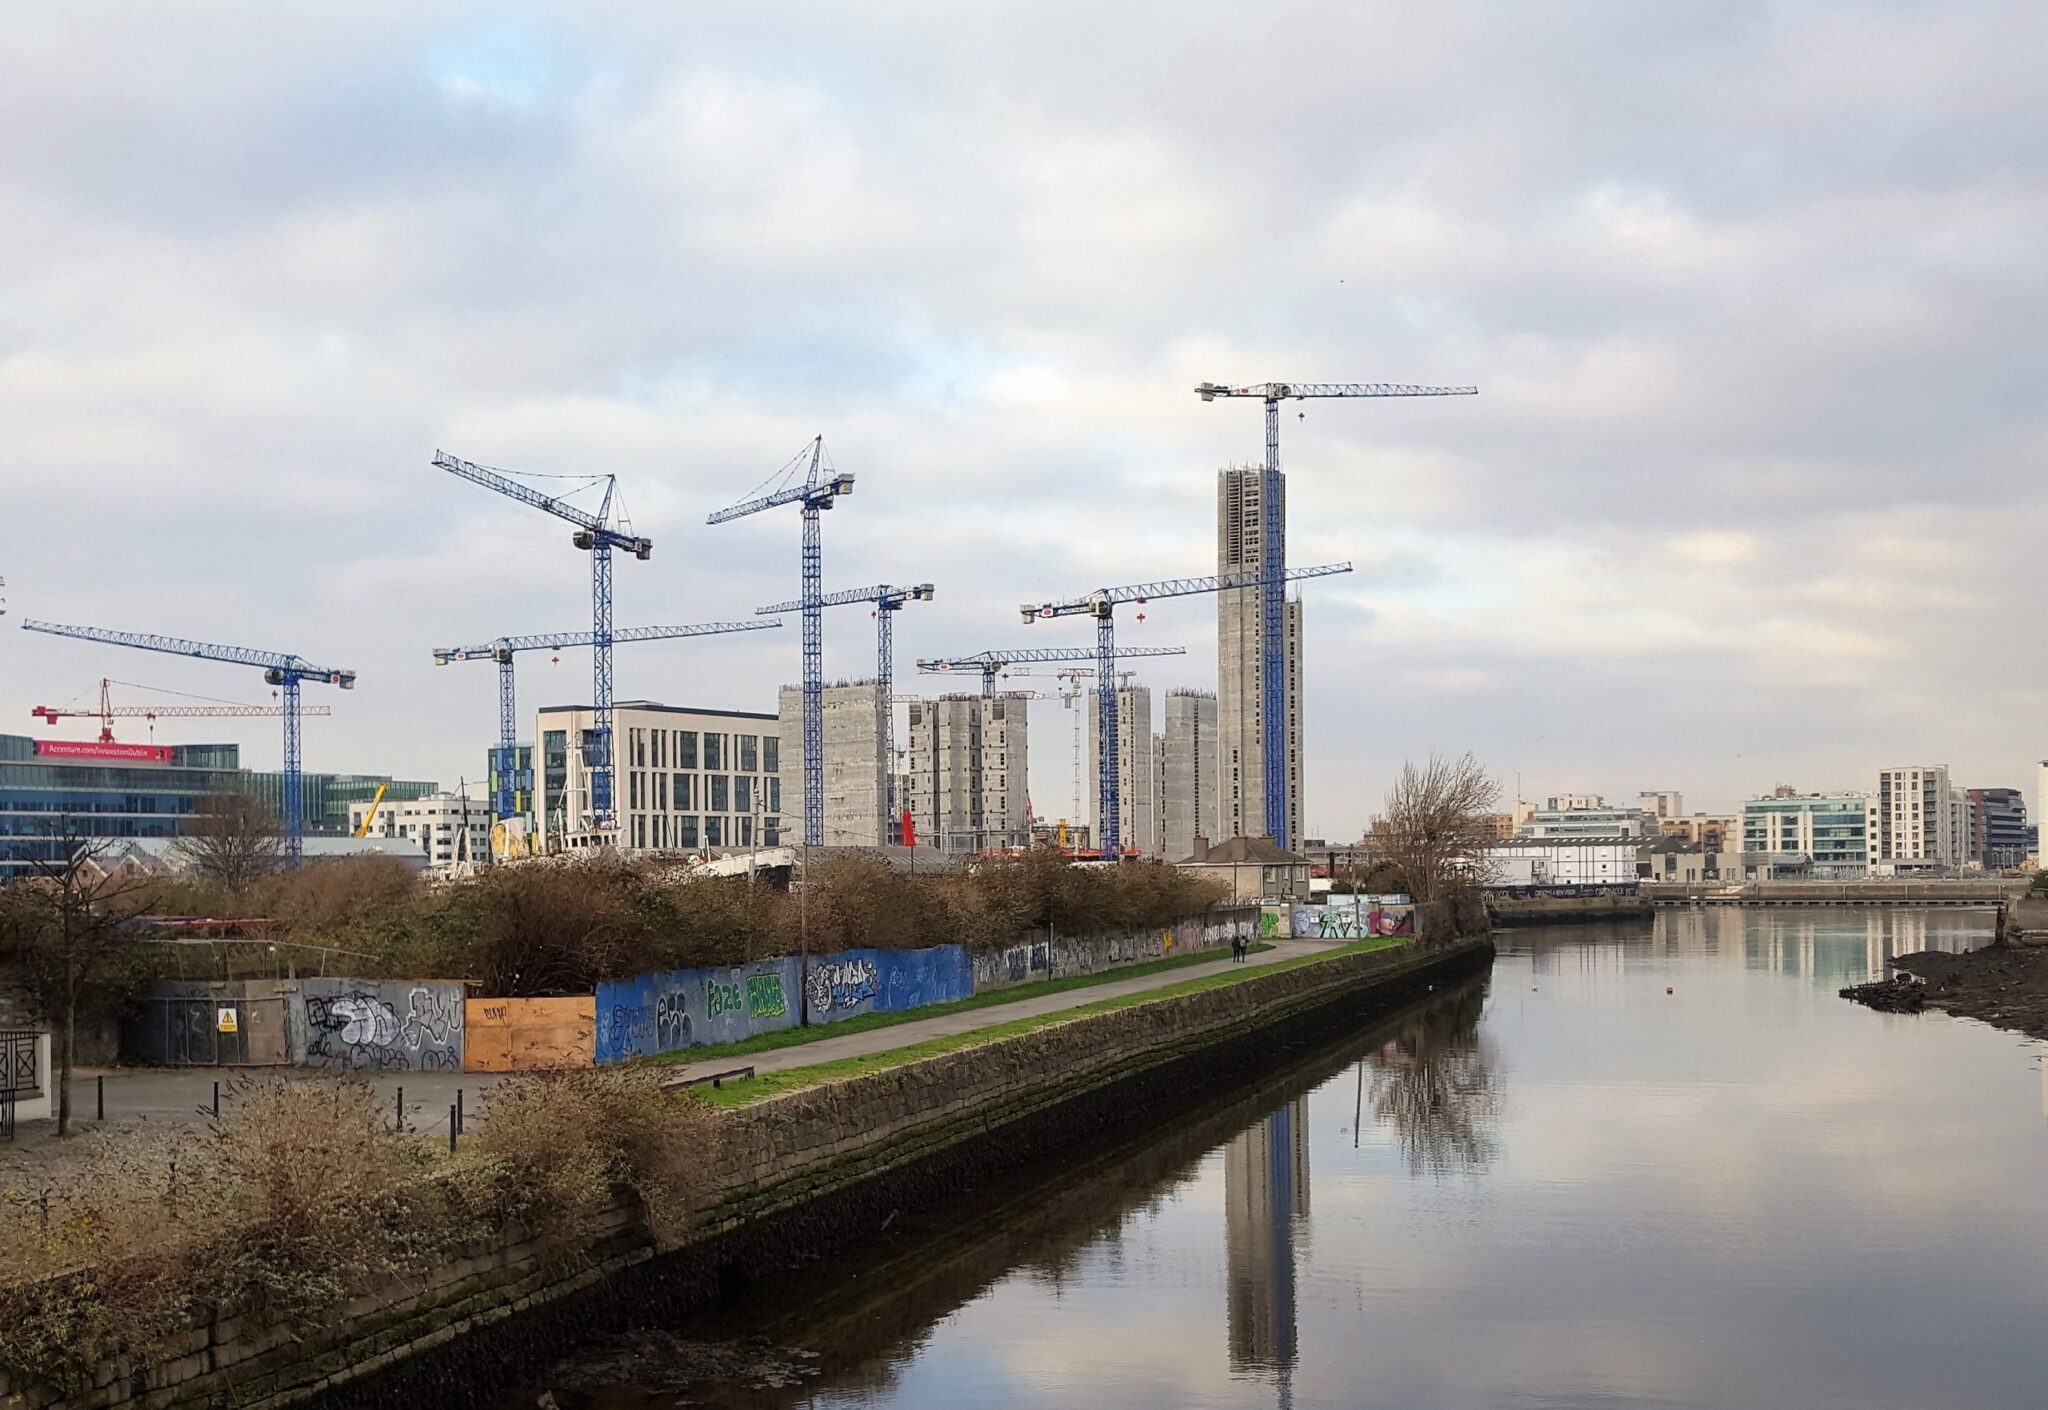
(18, 1074)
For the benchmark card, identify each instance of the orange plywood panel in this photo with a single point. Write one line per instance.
(529, 1035)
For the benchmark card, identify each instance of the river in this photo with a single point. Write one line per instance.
(1639, 1165)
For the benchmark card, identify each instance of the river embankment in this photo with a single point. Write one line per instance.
(786, 1180)
(2004, 986)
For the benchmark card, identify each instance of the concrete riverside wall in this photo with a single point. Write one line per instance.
(794, 1177)
(1058, 956)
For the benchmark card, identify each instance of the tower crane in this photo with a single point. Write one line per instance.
(597, 535)
(281, 669)
(1273, 569)
(888, 602)
(994, 663)
(1101, 604)
(815, 495)
(108, 712)
(503, 649)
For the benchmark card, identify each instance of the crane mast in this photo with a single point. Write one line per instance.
(814, 495)
(1101, 604)
(280, 668)
(596, 534)
(504, 649)
(1273, 769)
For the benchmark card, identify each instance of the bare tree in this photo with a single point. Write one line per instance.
(69, 935)
(1433, 830)
(232, 838)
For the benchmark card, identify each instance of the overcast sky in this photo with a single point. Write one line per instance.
(1753, 294)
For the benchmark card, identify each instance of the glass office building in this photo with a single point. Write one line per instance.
(52, 787)
(1800, 835)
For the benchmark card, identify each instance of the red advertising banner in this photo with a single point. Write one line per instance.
(94, 749)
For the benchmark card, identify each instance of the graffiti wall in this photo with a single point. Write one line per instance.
(1063, 955)
(360, 1025)
(686, 1008)
(854, 982)
(1344, 922)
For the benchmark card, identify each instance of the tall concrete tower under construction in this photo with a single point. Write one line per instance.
(1241, 763)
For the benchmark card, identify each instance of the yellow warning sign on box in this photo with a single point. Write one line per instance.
(225, 1021)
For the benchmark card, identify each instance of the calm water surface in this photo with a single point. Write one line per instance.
(1558, 1187)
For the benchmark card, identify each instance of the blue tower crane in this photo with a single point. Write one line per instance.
(814, 495)
(597, 535)
(993, 663)
(1101, 605)
(888, 602)
(1273, 569)
(504, 648)
(280, 668)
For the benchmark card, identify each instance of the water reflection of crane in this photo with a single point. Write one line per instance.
(1265, 1193)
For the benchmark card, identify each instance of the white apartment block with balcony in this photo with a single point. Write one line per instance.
(1916, 820)
(449, 827)
(685, 779)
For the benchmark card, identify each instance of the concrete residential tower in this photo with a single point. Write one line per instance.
(856, 774)
(1187, 788)
(969, 763)
(1137, 768)
(1239, 720)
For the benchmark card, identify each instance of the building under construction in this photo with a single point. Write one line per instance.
(856, 773)
(1188, 797)
(1137, 767)
(1240, 752)
(969, 766)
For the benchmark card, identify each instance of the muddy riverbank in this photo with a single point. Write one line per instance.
(2007, 988)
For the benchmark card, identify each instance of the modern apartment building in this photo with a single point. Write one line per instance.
(686, 780)
(1137, 768)
(1805, 834)
(522, 779)
(856, 773)
(1240, 518)
(969, 767)
(1586, 815)
(1662, 803)
(1999, 835)
(1717, 832)
(1916, 818)
(449, 827)
(1188, 795)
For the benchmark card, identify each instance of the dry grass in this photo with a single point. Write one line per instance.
(302, 1196)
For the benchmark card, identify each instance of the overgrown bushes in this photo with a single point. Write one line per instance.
(556, 928)
(302, 1196)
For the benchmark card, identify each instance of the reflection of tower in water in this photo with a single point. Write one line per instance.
(1265, 1192)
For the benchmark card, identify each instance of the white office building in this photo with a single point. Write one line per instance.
(684, 779)
(1563, 861)
(448, 827)
(1586, 815)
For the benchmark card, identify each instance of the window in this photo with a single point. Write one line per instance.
(714, 751)
(686, 749)
(713, 832)
(686, 832)
(639, 738)
(718, 792)
(771, 754)
(661, 793)
(659, 759)
(745, 829)
(774, 804)
(748, 743)
(742, 794)
(686, 792)
(639, 831)
(771, 832)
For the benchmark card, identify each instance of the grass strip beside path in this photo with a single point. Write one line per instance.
(770, 1084)
(791, 1037)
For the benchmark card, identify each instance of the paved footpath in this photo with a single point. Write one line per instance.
(902, 1035)
(184, 1096)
